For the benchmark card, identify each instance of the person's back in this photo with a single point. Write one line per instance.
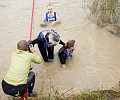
(19, 68)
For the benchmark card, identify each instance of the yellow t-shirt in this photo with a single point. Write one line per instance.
(19, 67)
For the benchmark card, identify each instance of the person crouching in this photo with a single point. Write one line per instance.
(66, 52)
(18, 79)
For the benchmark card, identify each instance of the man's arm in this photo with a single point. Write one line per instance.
(57, 21)
(35, 57)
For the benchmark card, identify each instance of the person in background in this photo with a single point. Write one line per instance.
(19, 80)
(50, 16)
(46, 41)
(66, 52)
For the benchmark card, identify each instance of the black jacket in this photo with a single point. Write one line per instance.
(62, 56)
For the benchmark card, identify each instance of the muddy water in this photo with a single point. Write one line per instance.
(95, 62)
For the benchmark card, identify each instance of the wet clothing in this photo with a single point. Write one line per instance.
(45, 47)
(20, 89)
(47, 53)
(51, 17)
(19, 67)
(18, 78)
(64, 54)
(68, 53)
(43, 36)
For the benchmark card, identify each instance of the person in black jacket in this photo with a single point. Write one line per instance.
(46, 41)
(66, 52)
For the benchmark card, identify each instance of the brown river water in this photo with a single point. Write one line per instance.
(95, 62)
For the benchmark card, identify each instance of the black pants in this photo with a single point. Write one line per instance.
(46, 52)
(20, 89)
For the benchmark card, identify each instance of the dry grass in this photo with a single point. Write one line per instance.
(106, 11)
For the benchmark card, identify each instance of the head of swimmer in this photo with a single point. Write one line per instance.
(71, 45)
(50, 8)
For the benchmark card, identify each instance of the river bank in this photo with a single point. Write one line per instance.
(95, 62)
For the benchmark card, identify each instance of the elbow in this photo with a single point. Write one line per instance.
(39, 61)
(59, 20)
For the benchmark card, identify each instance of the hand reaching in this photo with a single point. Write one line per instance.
(31, 48)
(53, 23)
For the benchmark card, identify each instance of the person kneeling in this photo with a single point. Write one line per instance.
(66, 52)
(18, 79)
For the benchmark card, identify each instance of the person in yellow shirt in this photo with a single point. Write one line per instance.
(19, 79)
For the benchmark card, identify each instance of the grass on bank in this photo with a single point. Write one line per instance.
(103, 12)
(53, 94)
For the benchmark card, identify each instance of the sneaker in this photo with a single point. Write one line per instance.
(24, 96)
(30, 94)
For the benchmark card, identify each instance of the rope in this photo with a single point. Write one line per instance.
(32, 20)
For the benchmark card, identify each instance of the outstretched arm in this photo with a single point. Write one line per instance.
(63, 60)
(61, 42)
(35, 41)
(44, 18)
(58, 20)
(35, 57)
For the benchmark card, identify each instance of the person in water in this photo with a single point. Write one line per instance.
(50, 16)
(19, 80)
(66, 52)
(46, 41)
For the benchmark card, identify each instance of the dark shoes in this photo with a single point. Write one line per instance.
(32, 95)
(50, 60)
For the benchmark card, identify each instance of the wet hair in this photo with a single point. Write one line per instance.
(55, 37)
(70, 44)
(22, 45)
